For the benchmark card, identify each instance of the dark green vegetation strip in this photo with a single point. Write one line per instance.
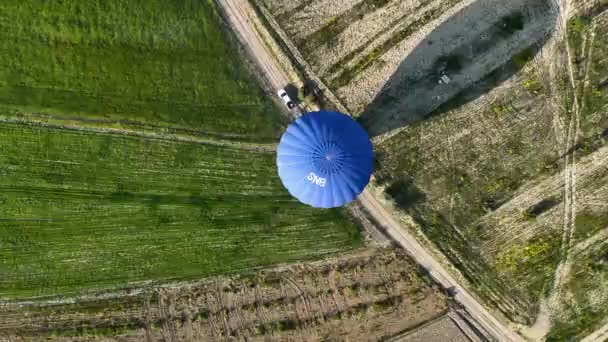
(589, 49)
(596, 95)
(84, 211)
(354, 53)
(336, 25)
(288, 14)
(156, 62)
(349, 73)
(588, 224)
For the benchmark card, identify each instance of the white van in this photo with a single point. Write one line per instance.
(286, 99)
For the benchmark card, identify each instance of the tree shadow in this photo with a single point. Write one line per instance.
(292, 91)
(405, 193)
(465, 57)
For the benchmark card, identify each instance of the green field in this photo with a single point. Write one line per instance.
(84, 211)
(137, 62)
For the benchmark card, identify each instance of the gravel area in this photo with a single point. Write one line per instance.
(443, 329)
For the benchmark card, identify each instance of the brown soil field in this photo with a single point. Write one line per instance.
(368, 295)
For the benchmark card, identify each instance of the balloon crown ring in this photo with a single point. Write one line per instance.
(328, 158)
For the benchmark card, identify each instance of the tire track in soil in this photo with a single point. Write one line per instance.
(564, 267)
(302, 315)
(238, 313)
(331, 283)
(301, 295)
(306, 304)
(361, 293)
(324, 297)
(216, 331)
(147, 320)
(187, 323)
(221, 312)
(331, 294)
(259, 309)
(580, 106)
(311, 299)
(168, 329)
(286, 302)
(197, 326)
(174, 317)
(252, 147)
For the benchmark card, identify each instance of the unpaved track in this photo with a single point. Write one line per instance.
(570, 176)
(238, 12)
(259, 147)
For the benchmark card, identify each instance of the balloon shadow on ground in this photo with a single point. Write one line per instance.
(465, 57)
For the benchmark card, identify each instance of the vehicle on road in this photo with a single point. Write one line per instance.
(286, 99)
(452, 291)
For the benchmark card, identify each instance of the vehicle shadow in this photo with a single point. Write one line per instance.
(465, 57)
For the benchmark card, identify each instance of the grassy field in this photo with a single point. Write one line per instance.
(159, 63)
(587, 307)
(82, 211)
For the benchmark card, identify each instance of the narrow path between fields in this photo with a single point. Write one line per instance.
(239, 14)
(255, 147)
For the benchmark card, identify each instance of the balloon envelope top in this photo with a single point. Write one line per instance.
(325, 159)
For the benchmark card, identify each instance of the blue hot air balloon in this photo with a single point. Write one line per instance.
(325, 159)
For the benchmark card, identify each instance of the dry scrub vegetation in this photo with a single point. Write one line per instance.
(386, 53)
(504, 167)
(369, 295)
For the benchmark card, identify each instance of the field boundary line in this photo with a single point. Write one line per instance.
(266, 148)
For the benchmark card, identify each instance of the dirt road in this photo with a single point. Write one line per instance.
(239, 14)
